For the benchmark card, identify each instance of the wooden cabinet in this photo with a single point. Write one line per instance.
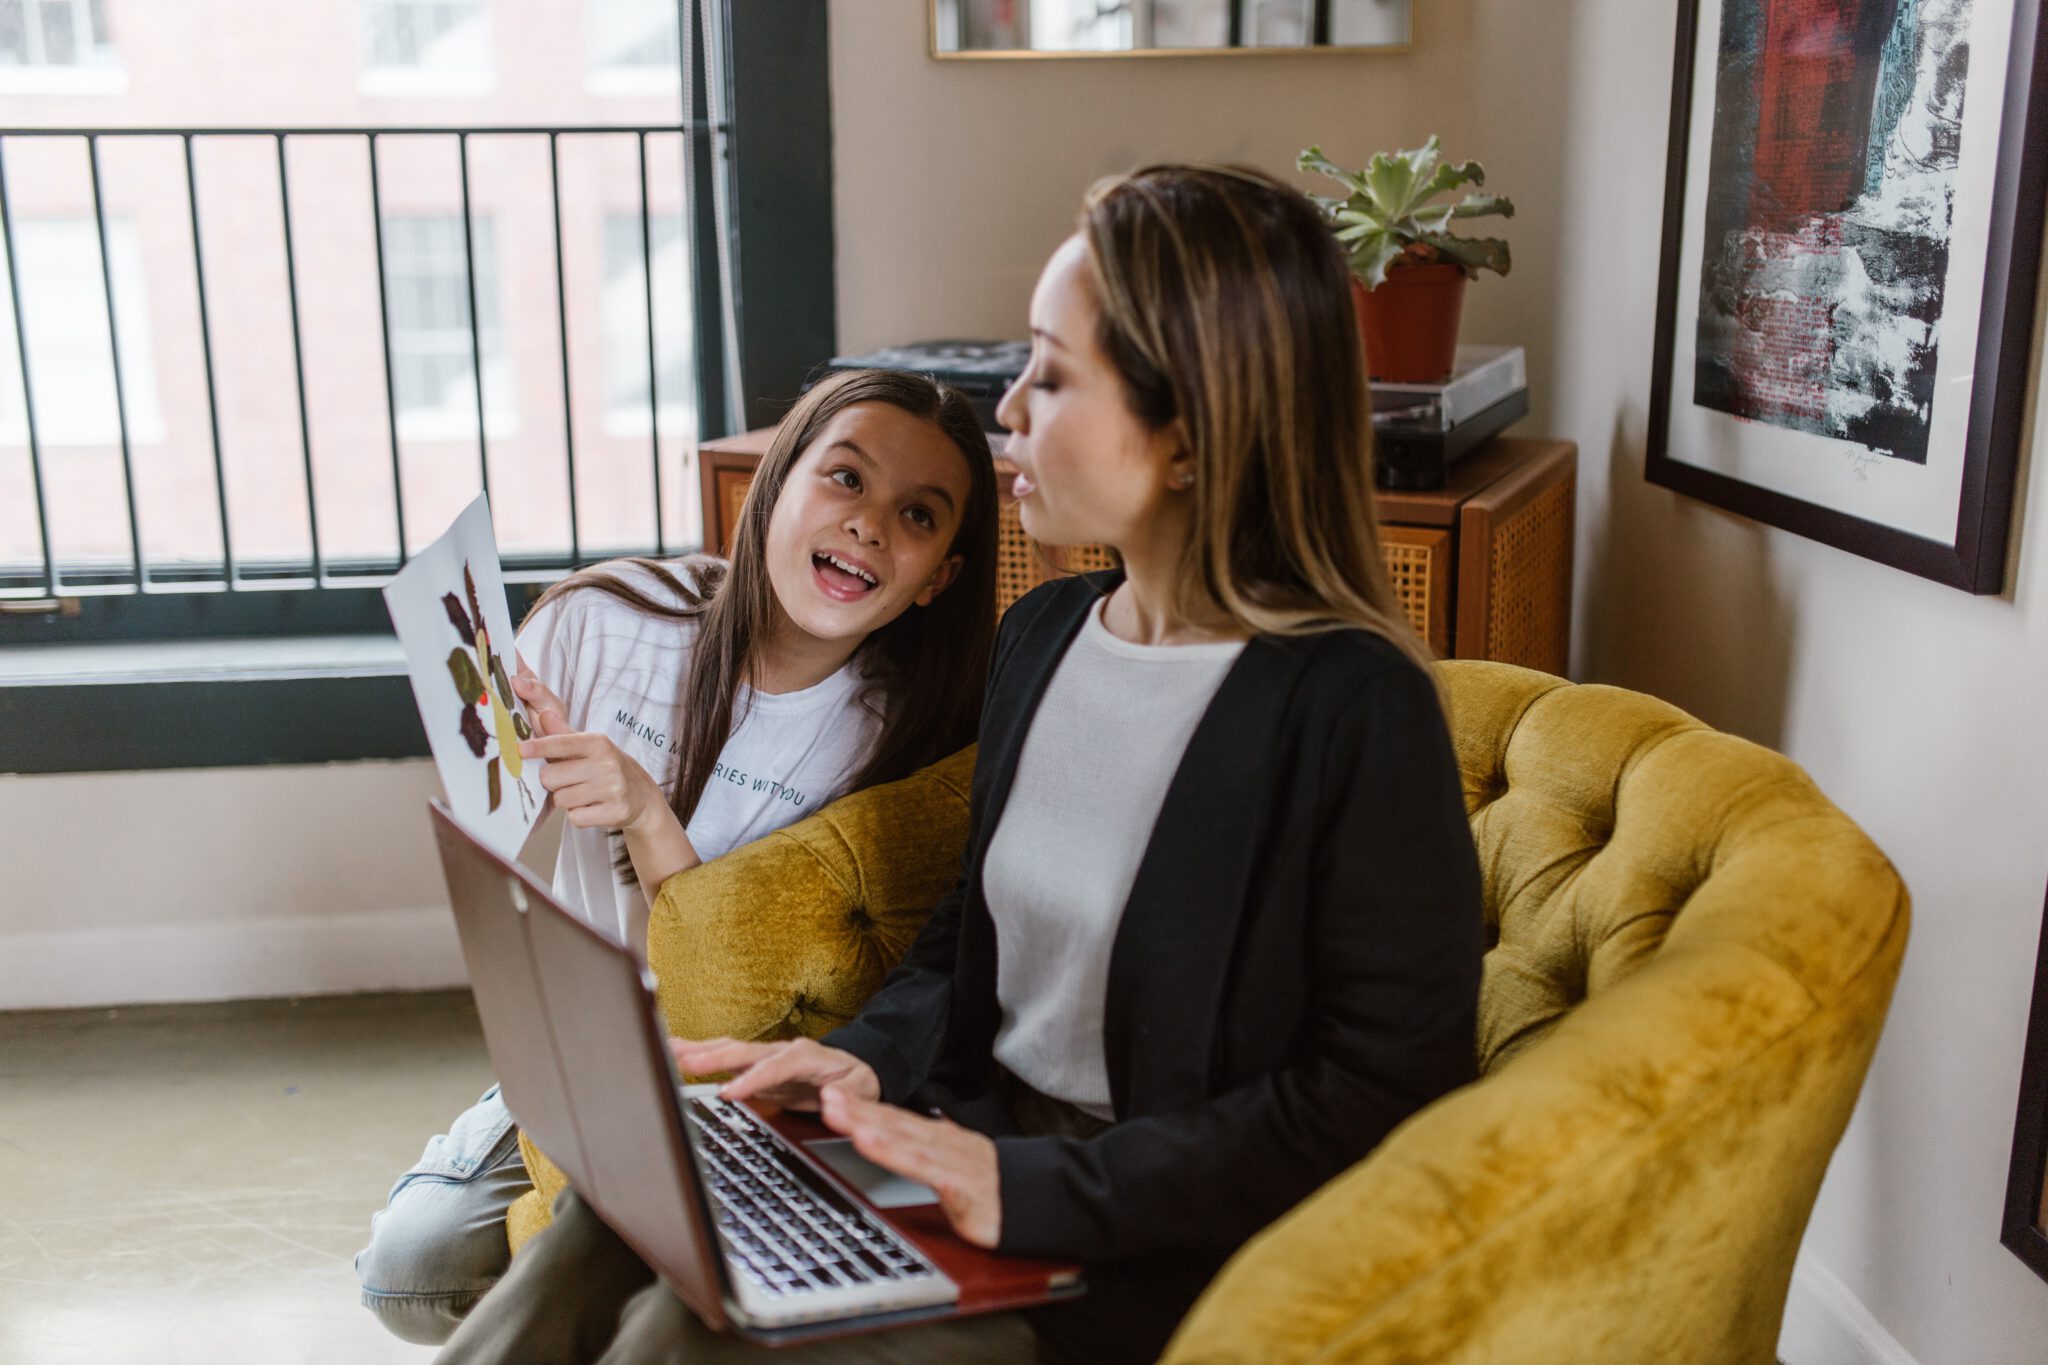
(1483, 566)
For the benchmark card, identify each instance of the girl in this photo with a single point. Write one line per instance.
(1219, 926)
(686, 710)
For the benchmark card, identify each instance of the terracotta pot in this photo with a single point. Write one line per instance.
(1410, 323)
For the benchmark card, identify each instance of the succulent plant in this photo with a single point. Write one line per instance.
(1388, 213)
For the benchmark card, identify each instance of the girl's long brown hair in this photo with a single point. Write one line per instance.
(1224, 301)
(924, 671)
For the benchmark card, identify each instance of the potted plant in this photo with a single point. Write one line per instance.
(1408, 271)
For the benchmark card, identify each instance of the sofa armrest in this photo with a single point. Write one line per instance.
(792, 933)
(1633, 1189)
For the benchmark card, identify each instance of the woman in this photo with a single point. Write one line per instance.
(1219, 927)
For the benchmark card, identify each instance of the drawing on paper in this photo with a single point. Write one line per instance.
(484, 690)
(448, 606)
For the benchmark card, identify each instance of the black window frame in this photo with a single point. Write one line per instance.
(771, 59)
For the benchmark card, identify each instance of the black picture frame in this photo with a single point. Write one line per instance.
(1976, 561)
(2025, 1231)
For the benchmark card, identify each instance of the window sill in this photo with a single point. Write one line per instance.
(189, 661)
(205, 704)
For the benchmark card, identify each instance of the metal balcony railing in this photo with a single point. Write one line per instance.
(31, 587)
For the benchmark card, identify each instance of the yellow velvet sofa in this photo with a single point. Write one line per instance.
(1695, 953)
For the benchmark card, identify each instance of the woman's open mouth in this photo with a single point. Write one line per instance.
(842, 579)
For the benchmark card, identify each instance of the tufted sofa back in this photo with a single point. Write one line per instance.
(792, 933)
(1614, 830)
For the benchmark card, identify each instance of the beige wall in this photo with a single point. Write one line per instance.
(956, 179)
(224, 883)
(1916, 707)
(220, 883)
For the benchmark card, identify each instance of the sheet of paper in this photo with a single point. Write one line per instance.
(448, 606)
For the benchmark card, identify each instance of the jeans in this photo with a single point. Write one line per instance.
(439, 1241)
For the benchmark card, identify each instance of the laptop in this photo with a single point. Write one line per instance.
(759, 1219)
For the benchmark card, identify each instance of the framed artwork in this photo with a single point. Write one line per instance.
(1852, 229)
(2026, 1187)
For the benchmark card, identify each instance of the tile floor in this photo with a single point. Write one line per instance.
(190, 1183)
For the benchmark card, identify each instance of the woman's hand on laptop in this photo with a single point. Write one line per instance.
(790, 1074)
(958, 1163)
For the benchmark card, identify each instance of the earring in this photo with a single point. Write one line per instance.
(1183, 479)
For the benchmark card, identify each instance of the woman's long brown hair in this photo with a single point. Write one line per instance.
(924, 672)
(1224, 301)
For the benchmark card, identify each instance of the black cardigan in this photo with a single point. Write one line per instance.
(1295, 973)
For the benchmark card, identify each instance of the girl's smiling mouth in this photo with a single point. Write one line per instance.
(842, 577)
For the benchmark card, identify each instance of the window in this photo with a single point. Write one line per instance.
(425, 47)
(433, 374)
(625, 326)
(58, 47)
(63, 304)
(631, 47)
(561, 342)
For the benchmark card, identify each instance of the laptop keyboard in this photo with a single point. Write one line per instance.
(786, 1228)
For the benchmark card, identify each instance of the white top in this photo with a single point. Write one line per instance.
(620, 672)
(1105, 742)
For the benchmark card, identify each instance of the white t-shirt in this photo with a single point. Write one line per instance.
(1103, 746)
(620, 672)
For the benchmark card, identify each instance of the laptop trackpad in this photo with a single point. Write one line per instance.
(883, 1188)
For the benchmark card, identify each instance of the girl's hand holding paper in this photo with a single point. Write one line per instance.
(589, 778)
(597, 786)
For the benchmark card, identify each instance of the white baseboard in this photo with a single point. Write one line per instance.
(336, 954)
(1825, 1324)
